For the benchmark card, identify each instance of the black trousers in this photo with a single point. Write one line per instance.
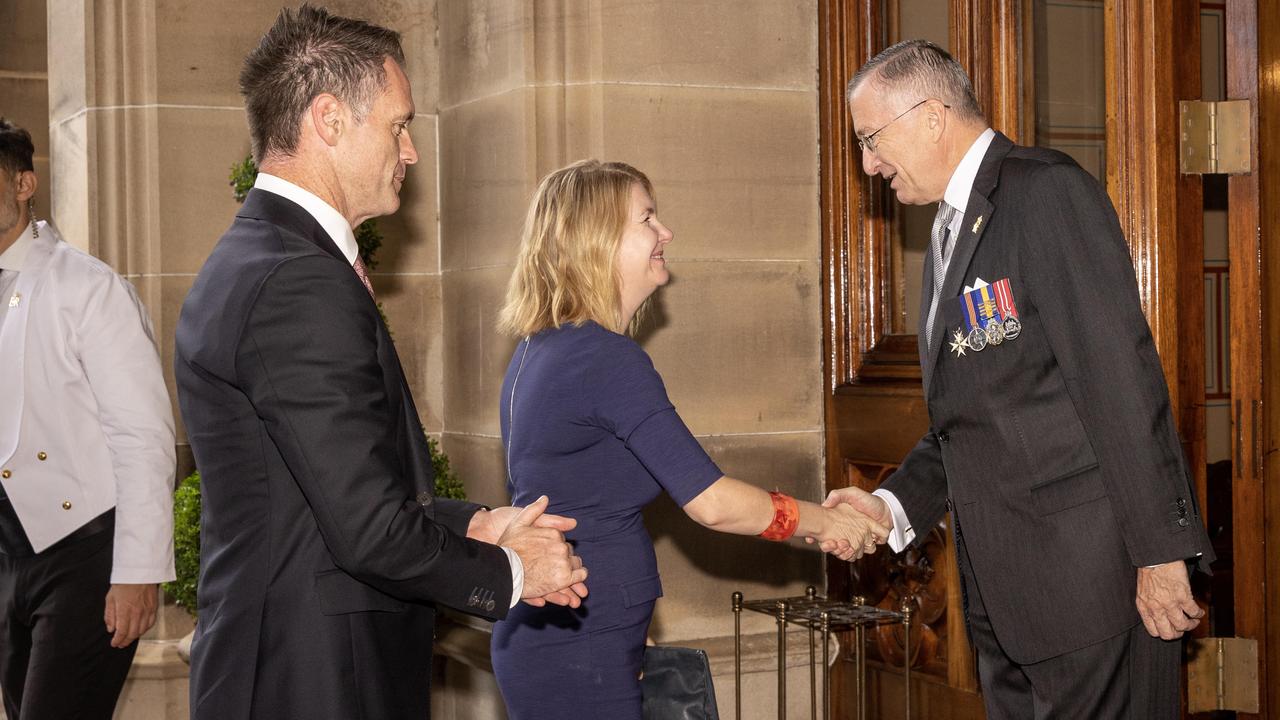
(1129, 676)
(56, 659)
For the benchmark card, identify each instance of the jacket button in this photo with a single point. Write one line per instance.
(6, 474)
(42, 455)
(66, 504)
(944, 438)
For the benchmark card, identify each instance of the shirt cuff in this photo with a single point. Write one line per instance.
(902, 533)
(517, 575)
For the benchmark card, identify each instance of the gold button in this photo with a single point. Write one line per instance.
(66, 504)
(42, 455)
(6, 474)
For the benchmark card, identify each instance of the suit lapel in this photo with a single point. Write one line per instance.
(977, 218)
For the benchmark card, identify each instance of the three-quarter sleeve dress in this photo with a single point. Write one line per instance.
(587, 422)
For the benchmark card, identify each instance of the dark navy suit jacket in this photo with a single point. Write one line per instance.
(323, 553)
(1057, 449)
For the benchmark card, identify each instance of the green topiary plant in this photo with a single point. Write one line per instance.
(186, 542)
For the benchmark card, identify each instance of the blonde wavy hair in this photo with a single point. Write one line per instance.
(566, 271)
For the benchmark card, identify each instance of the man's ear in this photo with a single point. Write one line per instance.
(328, 118)
(26, 185)
(935, 117)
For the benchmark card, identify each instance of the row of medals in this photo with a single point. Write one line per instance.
(995, 333)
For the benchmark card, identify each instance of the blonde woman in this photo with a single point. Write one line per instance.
(586, 421)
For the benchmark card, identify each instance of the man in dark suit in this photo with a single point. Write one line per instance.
(324, 552)
(1051, 439)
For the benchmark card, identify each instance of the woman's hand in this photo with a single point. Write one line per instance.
(848, 534)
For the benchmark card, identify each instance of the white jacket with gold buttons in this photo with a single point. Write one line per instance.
(85, 420)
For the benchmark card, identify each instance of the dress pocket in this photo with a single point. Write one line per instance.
(641, 591)
(1068, 490)
(341, 594)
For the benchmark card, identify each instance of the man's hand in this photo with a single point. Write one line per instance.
(130, 611)
(552, 573)
(875, 508)
(1164, 600)
(848, 533)
(488, 525)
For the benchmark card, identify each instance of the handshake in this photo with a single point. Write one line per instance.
(854, 523)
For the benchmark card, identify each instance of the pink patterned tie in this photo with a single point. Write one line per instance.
(363, 274)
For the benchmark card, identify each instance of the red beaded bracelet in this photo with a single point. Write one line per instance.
(786, 517)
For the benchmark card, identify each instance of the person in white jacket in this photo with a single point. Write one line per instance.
(86, 464)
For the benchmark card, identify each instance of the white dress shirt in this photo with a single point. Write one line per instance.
(86, 423)
(339, 230)
(957, 196)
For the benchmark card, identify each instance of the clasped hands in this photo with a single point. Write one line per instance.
(552, 572)
(855, 523)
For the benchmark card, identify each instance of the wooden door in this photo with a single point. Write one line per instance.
(874, 408)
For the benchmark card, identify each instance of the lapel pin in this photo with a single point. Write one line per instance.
(977, 224)
(13, 301)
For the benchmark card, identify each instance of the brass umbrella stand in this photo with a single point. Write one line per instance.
(821, 617)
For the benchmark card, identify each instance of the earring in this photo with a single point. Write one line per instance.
(31, 213)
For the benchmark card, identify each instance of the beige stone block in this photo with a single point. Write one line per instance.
(24, 47)
(24, 101)
(156, 688)
(739, 345)
(411, 304)
(68, 180)
(756, 43)
(201, 47)
(475, 355)
(735, 172)
(480, 463)
(197, 149)
(68, 67)
(485, 48)
(485, 160)
(462, 692)
(411, 236)
(701, 568)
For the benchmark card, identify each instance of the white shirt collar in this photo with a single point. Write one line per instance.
(330, 219)
(961, 184)
(16, 256)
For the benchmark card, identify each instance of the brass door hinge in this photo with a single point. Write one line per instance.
(1214, 137)
(1222, 674)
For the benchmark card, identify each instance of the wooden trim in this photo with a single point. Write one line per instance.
(1141, 172)
(986, 38)
(1253, 237)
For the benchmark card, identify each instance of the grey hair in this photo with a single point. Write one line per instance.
(921, 68)
(306, 53)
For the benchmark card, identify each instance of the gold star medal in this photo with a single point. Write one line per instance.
(959, 344)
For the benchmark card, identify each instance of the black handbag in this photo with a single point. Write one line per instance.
(676, 684)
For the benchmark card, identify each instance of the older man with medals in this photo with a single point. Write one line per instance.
(1052, 443)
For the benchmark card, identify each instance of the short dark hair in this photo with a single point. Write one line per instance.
(925, 69)
(308, 52)
(16, 149)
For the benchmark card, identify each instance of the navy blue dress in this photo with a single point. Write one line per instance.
(586, 421)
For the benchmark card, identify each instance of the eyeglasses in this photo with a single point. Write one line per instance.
(868, 142)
